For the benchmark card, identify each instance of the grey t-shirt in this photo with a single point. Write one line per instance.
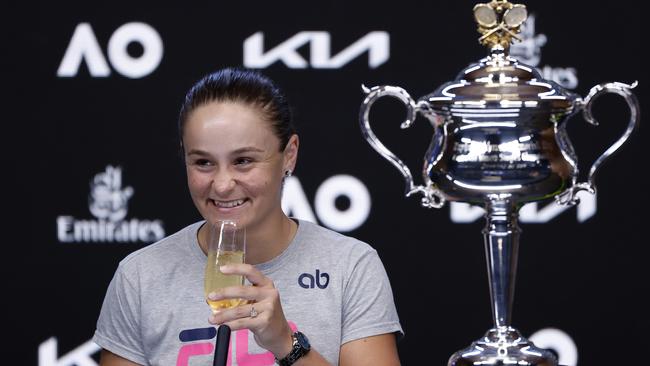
(332, 287)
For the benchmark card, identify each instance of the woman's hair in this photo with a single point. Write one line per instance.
(241, 86)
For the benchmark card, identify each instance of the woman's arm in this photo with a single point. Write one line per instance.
(272, 332)
(109, 358)
(379, 350)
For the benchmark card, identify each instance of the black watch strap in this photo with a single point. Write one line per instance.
(299, 348)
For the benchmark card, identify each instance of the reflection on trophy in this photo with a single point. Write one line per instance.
(500, 141)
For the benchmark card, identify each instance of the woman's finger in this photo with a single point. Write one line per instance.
(242, 312)
(253, 275)
(242, 323)
(249, 293)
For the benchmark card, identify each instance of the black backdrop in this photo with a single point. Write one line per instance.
(582, 274)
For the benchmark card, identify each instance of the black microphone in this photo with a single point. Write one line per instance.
(222, 345)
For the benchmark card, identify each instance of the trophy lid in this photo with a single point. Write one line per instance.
(500, 80)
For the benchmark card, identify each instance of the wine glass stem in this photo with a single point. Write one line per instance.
(501, 235)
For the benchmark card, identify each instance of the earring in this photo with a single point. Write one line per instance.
(287, 173)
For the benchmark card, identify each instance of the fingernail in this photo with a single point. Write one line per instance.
(213, 296)
(224, 268)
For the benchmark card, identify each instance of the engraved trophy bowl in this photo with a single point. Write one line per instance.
(499, 141)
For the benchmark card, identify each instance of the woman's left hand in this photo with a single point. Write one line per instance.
(266, 321)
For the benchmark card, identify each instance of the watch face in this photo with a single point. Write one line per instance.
(302, 340)
(300, 348)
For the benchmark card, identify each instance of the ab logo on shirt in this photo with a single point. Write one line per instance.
(307, 280)
(238, 340)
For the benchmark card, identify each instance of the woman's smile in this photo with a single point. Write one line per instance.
(229, 206)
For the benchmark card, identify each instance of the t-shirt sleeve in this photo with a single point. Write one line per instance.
(368, 305)
(118, 326)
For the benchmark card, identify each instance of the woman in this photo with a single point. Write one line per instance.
(239, 146)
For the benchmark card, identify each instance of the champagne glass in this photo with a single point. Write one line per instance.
(226, 245)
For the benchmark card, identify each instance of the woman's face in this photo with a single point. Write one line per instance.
(234, 163)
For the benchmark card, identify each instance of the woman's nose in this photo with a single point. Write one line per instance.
(223, 182)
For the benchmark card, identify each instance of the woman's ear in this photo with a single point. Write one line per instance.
(291, 153)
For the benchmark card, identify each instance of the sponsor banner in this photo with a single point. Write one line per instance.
(108, 203)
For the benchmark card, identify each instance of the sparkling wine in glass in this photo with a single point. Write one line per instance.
(226, 245)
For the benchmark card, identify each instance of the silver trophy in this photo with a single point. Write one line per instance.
(500, 141)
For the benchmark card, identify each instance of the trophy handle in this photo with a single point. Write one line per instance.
(624, 90)
(432, 197)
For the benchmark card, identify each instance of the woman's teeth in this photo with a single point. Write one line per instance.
(229, 204)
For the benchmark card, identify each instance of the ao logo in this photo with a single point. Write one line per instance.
(551, 338)
(377, 44)
(295, 203)
(558, 341)
(84, 46)
(529, 213)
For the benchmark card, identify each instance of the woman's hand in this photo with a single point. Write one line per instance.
(267, 321)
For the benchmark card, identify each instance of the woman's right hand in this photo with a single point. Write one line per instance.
(266, 321)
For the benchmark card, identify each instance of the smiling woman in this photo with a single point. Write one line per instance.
(235, 166)
(239, 145)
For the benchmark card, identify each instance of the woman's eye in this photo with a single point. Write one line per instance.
(243, 161)
(202, 162)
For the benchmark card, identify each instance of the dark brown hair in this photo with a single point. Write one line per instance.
(245, 86)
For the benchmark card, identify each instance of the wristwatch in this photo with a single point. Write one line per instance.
(299, 348)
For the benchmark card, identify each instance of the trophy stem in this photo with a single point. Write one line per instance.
(502, 345)
(501, 235)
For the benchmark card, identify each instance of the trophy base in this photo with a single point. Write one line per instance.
(503, 346)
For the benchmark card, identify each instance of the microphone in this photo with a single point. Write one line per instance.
(222, 346)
